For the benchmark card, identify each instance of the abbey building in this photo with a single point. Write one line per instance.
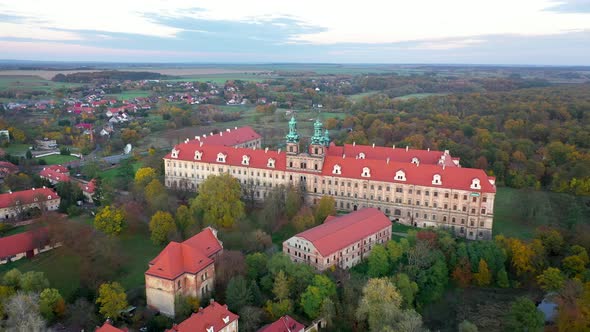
(415, 187)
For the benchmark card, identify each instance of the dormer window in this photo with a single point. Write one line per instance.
(415, 160)
(226, 319)
(36, 199)
(366, 172)
(245, 160)
(400, 175)
(174, 153)
(198, 155)
(436, 179)
(221, 157)
(337, 170)
(361, 156)
(270, 163)
(210, 329)
(475, 184)
(49, 197)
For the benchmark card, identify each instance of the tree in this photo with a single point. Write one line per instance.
(328, 311)
(467, 326)
(280, 287)
(51, 304)
(219, 201)
(325, 207)
(22, 310)
(315, 294)
(238, 294)
(111, 300)
(145, 175)
(502, 279)
(304, 219)
(396, 250)
(406, 288)
(378, 262)
(293, 201)
(5, 293)
(109, 220)
(551, 239)
(250, 318)
(184, 220)
(551, 280)
(12, 278)
(81, 315)
(462, 273)
(256, 265)
(524, 316)
(156, 195)
(162, 226)
(522, 255)
(33, 281)
(483, 277)
(279, 308)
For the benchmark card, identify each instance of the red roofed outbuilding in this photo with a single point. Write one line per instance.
(17, 205)
(284, 324)
(27, 244)
(214, 318)
(108, 327)
(341, 241)
(241, 137)
(185, 268)
(7, 168)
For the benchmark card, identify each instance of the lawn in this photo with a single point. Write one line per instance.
(359, 96)
(219, 78)
(130, 94)
(30, 83)
(17, 149)
(58, 159)
(519, 212)
(418, 96)
(110, 174)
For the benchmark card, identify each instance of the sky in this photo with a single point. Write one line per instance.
(512, 32)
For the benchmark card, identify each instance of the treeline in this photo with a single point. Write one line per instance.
(526, 138)
(107, 75)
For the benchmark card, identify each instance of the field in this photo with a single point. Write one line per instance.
(131, 94)
(220, 78)
(17, 149)
(58, 159)
(110, 174)
(418, 96)
(49, 74)
(359, 96)
(29, 83)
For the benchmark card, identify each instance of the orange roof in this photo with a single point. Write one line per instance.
(52, 174)
(284, 324)
(214, 316)
(230, 137)
(190, 256)
(58, 168)
(340, 232)
(107, 327)
(431, 157)
(23, 242)
(27, 196)
(88, 187)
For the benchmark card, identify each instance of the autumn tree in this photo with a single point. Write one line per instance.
(502, 279)
(33, 281)
(111, 300)
(280, 287)
(110, 220)
(51, 304)
(5, 293)
(219, 201)
(315, 294)
(22, 310)
(324, 208)
(162, 227)
(551, 280)
(483, 277)
(378, 262)
(524, 316)
(304, 219)
(185, 221)
(462, 273)
(12, 278)
(145, 175)
(406, 288)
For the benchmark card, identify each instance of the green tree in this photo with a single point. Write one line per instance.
(396, 250)
(238, 294)
(279, 308)
(110, 220)
(5, 293)
(280, 288)
(304, 219)
(524, 316)
(551, 280)
(184, 220)
(407, 289)
(502, 279)
(219, 201)
(51, 304)
(467, 326)
(33, 281)
(111, 300)
(312, 299)
(378, 262)
(256, 265)
(162, 226)
(12, 278)
(293, 201)
(483, 277)
(325, 207)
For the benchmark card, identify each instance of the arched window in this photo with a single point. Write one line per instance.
(198, 155)
(366, 172)
(361, 155)
(436, 179)
(400, 175)
(174, 153)
(337, 169)
(270, 163)
(245, 160)
(415, 160)
(475, 184)
(221, 157)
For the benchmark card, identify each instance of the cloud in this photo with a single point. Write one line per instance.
(571, 6)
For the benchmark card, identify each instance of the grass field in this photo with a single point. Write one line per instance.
(418, 96)
(17, 149)
(131, 94)
(359, 96)
(110, 174)
(220, 78)
(30, 83)
(58, 159)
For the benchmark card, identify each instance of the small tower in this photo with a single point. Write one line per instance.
(292, 137)
(318, 140)
(326, 141)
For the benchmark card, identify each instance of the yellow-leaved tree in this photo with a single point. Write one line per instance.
(110, 220)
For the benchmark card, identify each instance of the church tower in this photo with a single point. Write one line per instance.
(292, 137)
(319, 141)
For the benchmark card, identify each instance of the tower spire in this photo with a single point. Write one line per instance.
(292, 136)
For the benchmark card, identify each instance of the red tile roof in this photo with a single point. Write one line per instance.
(89, 187)
(284, 324)
(337, 233)
(27, 196)
(422, 175)
(58, 168)
(107, 327)
(258, 158)
(215, 315)
(7, 168)
(23, 242)
(190, 256)
(231, 137)
(431, 157)
(52, 174)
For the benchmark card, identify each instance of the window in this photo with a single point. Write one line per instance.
(198, 155)
(484, 199)
(483, 211)
(475, 184)
(436, 179)
(221, 157)
(337, 169)
(400, 175)
(474, 199)
(366, 172)
(270, 163)
(418, 192)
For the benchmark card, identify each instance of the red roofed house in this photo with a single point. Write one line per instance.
(55, 174)
(340, 241)
(421, 188)
(17, 205)
(284, 324)
(185, 268)
(27, 244)
(242, 137)
(88, 189)
(7, 168)
(108, 327)
(214, 318)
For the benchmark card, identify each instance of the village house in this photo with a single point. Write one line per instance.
(423, 188)
(22, 204)
(27, 244)
(7, 168)
(46, 144)
(342, 241)
(55, 174)
(108, 327)
(185, 269)
(284, 324)
(213, 318)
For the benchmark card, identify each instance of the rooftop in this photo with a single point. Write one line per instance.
(27, 197)
(229, 137)
(283, 324)
(210, 319)
(23, 242)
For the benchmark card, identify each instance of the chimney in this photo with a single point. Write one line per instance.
(266, 150)
(279, 151)
(228, 130)
(387, 160)
(343, 156)
(204, 135)
(407, 147)
(394, 146)
(221, 133)
(33, 188)
(198, 138)
(200, 144)
(211, 300)
(235, 127)
(443, 167)
(211, 134)
(43, 187)
(417, 163)
(354, 143)
(428, 149)
(373, 145)
(10, 192)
